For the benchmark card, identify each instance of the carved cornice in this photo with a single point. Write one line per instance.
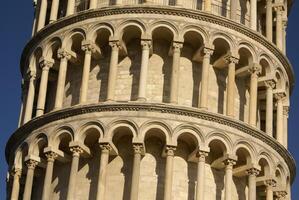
(24, 131)
(194, 14)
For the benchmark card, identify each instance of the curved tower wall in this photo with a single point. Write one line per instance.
(154, 100)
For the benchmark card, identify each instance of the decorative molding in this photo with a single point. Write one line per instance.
(24, 131)
(174, 11)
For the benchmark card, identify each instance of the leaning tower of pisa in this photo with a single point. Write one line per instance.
(154, 100)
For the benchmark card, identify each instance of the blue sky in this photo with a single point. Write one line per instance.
(16, 23)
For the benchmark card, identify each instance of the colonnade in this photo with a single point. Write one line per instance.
(228, 162)
(207, 7)
(91, 49)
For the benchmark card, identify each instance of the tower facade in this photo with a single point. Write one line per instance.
(154, 100)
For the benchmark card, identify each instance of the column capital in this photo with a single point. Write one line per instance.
(231, 59)
(230, 162)
(31, 75)
(207, 51)
(255, 69)
(278, 8)
(270, 84)
(138, 148)
(176, 45)
(270, 183)
(252, 171)
(105, 147)
(88, 46)
(31, 164)
(46, 63)
(63, 53)
(201, 155)
(281, 194)
(279, 96)
(146, 44)
(76, 150)
(169, 150)
(16, 172)
(115, 44)
(51, 156)
(286, 110)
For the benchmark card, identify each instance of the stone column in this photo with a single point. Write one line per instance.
(45, 64)
(168, 172)
(229, 163)
(88, 48)
(93, 4)
(42, 14)
(279, 117)
(146, 45)
(269, 107)
(204, 94)
(254, 71)
(51, 156)
(200, 187)
(115, 45)
(269, 20)
(284, 35)
(138, 148)
(54, 11)
(16, 173)
(279, 38)
(174, 85)
(253, 13)
(74, 170)
(285, 124)
(208, 6)
(70, 7)
(252, 173)
(36, 10)
(269, 188)
(31, 164)
(30, 97)
(230, 93)
(105, 149)
(233, 10)
(64, 57)
(23, 103)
